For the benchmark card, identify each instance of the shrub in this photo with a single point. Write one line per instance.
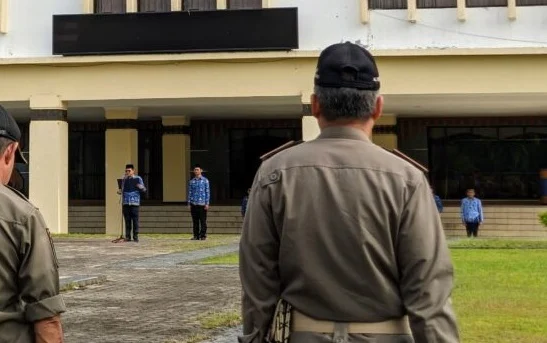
(543, 218)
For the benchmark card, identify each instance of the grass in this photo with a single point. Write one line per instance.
(195, 338)
(222, 259)
(500, 292)
(220, 319)
(69, 287)
(184, 244)
(498, 244)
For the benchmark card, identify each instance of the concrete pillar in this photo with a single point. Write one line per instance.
(310, 128)
(176, 158)
(121, 148)
(384, 133)
(48, 161)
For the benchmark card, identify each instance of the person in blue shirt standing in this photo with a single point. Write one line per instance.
(438, 201)
(132, 187)
(199, 195)
(471, 213)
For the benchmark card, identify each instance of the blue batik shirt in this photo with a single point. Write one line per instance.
(438, 202)
(131, 194)
(244, 205)
(471, 210)
(198, 191)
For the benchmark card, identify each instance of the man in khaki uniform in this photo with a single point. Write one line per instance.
(346, 233)
(30, 302)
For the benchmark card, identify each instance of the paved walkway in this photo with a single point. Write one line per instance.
(150, 295)
(174, 260)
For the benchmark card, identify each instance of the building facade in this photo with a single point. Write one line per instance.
(165, 84)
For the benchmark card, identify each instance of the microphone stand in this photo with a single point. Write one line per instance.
(121, 239)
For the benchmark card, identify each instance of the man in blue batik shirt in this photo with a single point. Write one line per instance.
(471, 213)
(199, 195)
(438, 201)
(131, 189)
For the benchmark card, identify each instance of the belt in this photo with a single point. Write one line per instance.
(301, 322)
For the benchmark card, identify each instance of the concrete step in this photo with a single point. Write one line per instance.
(500, 221)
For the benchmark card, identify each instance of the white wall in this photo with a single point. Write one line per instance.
(326, 21)
(322, 22)
(30, 26)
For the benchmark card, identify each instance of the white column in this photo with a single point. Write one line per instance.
(48, 161)
(310, 128)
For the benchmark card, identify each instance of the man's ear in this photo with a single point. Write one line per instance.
(9, 153)
(315, 108)
(378, 108)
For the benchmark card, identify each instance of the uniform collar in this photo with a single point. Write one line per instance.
(344, 132)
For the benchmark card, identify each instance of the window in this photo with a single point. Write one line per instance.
(500, 162)
(244, 4)
(485, 3)
(387, 4)
(154, 5)
(401, 4)
(436, 3)
(86, 156)
(531, 2)
(199, 5)
(110, 6)
(151, 161)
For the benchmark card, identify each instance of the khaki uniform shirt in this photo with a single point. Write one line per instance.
(345, 231)
(29, 278)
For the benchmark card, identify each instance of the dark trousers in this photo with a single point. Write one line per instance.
(199, 216)
(472, 229)
(131, 217)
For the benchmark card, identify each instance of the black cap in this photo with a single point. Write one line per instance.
(347, 65)
(10, 130)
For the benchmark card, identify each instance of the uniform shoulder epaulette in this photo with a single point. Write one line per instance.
(279, 149)
(405, 157)
(21, 195)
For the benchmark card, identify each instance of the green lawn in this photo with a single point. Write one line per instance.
(500, 292)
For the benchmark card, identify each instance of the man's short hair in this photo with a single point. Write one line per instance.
(197, 166)
(345, 103)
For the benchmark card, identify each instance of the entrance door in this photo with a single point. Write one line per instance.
(247, 145)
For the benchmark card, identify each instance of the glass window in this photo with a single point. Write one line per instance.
(151, 162)
(486, 132)
(501, 163)
(437, 132)
(244, 4)
(511, 132)
(456, 132)
(199, 5)
(110, 6)
(154, 5)
(86, 155)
